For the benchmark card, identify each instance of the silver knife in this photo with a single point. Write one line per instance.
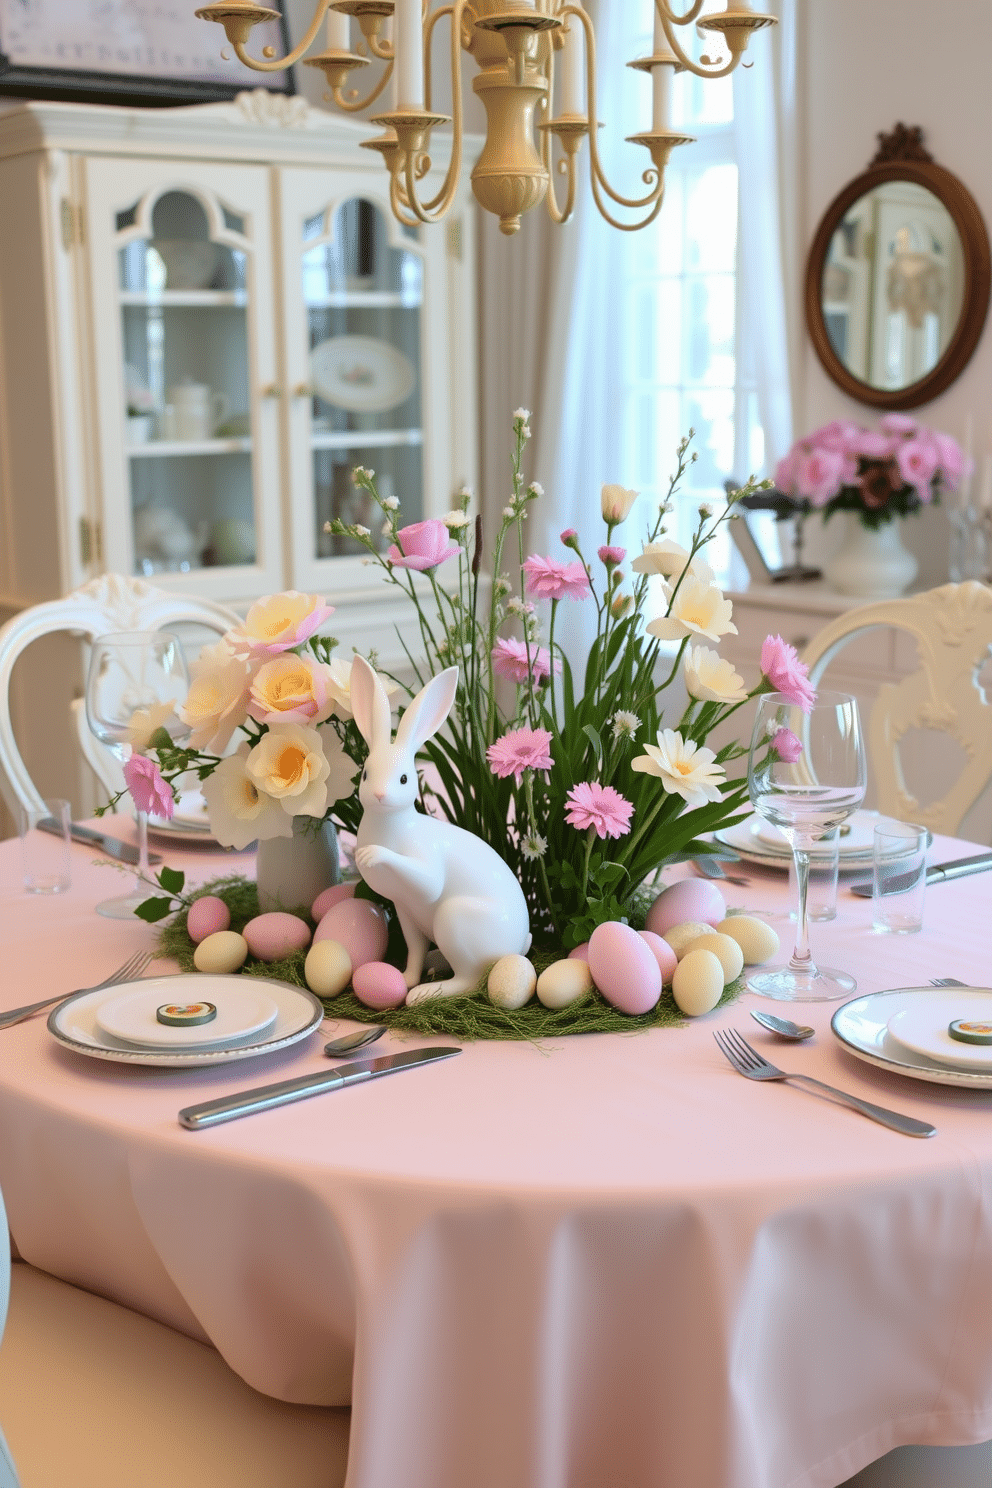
(939, 873)
(112, 846)
(265, 1097)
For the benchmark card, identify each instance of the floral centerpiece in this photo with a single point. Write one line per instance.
(878, 474)
(585, 782)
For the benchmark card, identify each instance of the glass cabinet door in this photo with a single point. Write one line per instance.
(185, 320)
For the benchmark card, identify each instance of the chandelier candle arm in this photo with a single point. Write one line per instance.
(238, 17)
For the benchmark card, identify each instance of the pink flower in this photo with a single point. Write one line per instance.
(612, 555)
(149, 791)
(838, 435)
(519, 750)
(599, 806)
(953, 464)
(422, 545)
(918, 460)
(787, 674)
(815, 474)
(510, 660)
(568, 536)
(898, 423)
(871, 445)
(276, 623)
(787, 746)
(549, 579)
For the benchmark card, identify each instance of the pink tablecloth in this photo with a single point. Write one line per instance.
(602, 1261)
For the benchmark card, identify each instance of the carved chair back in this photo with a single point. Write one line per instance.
(952, 627)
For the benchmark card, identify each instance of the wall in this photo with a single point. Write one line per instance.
(862, 68)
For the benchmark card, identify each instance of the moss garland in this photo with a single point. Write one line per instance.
(467, 1018)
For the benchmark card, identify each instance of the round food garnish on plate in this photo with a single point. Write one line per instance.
(186, 1014)
(971, 1030)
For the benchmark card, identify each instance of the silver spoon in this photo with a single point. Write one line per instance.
(784, 1027)
(354, 1040)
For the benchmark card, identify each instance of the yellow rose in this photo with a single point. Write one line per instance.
(216, 704)
(291, 689)
(288, 764)
(277, 623)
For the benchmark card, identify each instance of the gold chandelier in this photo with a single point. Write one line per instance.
(516, 45)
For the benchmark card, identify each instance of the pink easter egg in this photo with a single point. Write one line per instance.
(359, 925)
(662, 953)
(206, 916)
(581, 952)
(379, 985)
(691, 899)
(624, 968)
(272, 936)
(330, 896)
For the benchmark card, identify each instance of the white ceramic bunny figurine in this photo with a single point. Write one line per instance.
(448, 885)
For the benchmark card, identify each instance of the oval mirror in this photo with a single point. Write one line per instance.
(897, 284)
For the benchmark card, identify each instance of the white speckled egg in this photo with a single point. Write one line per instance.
(221, 952)
(680, 937)
(206, 916)
(330, 896)
(726, 950)
(511, 982)
(272, 936)
(361, 928)
(758, 941)
(379, 985)
(327, 968)
(564, 982)
(693, 899)
(698, 983)
(662, 953)
(624, 968)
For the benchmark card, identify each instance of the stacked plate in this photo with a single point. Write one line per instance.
(908, 1030)
(190, 821)
(185, 1021)
(757, 841)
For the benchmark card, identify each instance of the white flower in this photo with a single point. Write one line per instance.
(535, 488)
(361, 531)
(339, 683)
(145, 722)
(625, 725)
(671, 559)
(360, 473)
(712, 679)
(534, 846)
(239, 812)
(521, 413)
(684, 768)
(697, 609)
(616, 503)
(509, 513)
(391, 503)
(705, 511)
(502, 585)
(454, 520)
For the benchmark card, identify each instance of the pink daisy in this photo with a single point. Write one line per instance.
(612, 555)
(149, 791)
(549, 579)
(510, 660)
(787, 674)
(599, 806)
(519, 750)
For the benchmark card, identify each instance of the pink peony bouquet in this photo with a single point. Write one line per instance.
(878, 473)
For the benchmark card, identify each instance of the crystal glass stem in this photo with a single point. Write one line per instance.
(802, 958)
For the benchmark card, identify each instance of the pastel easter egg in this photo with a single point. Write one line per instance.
(511, 982)
(758, 941)
(698, 983)
(378, 984)
(564, 982)
(330, 896)
(624, 968)
(206, 916)
(359, 925)
(272, 936)
(726, 950)
(222, 952)
(690, 899)
(580, 953)
(327, 968)
(662, 953)
(680, 937)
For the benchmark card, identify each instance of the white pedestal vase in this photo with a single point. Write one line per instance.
(292, 871)
(871, 562)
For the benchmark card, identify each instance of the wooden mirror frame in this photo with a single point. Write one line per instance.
(901, 156)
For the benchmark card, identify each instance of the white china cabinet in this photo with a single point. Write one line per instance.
(208, 317)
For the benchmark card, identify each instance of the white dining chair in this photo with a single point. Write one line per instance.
(8, 1473)
(952, 628)
(109, 603)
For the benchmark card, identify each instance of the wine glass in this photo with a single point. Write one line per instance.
(805, 782)
(129, 670)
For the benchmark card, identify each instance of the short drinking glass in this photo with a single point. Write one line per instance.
(900, 877)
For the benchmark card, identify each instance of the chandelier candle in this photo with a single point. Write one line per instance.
(573, 96)
(338, 33)
(409, 55)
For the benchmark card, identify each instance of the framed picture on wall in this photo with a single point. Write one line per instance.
(135, 52)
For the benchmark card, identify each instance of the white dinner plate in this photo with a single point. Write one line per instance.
(73, 1023)
(244, 1012)
(361, 373)
(190, 821)
(922, 1028)
(753, 840)
(862, 1026)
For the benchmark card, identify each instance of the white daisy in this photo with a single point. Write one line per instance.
(684, 768)
(697, 609)
(710, 678)
(625, 725)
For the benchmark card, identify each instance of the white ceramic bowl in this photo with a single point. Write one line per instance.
(190, 263)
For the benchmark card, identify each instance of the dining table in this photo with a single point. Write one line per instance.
(576, 1263)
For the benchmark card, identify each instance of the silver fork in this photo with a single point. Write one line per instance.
(946, 982)
(132, 967)
(749, 1063)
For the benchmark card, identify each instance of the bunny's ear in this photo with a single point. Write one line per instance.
(370, 704)
(428, 710)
